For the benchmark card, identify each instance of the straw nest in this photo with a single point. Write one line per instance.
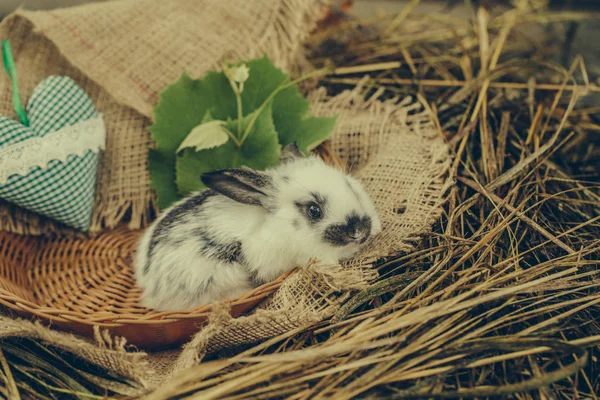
(502, 299)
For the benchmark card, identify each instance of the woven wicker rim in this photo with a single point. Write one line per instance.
(45, 278)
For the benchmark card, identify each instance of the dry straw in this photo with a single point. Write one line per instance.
(502, 298)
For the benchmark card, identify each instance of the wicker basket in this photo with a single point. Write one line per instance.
(78, 283)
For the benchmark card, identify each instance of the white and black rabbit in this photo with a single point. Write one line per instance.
(249, 228)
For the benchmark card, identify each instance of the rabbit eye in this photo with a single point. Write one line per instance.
(314, 211)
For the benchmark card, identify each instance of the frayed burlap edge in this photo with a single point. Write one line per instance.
(368, 143)
(107, 352)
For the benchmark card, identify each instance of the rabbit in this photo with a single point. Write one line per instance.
(250, 227)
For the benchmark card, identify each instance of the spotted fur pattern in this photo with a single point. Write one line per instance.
(249, 228)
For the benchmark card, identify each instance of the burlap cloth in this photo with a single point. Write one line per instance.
(123, 54)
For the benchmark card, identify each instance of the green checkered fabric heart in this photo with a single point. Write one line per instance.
(50, 166)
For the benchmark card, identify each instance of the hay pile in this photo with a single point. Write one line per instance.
(503, 297)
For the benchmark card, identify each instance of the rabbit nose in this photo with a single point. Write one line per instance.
(358, 229)
(360, 235)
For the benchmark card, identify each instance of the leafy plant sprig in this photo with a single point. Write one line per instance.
(242, 115)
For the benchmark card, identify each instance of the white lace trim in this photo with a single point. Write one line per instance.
(20, 158)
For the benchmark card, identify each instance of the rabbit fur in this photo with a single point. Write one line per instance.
(248, 228)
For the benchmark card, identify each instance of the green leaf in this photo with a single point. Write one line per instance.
(188, 103)
(162, 174)
(264, 79)
(182, 106)
(206, 136)
(260, 151)
(290, 108)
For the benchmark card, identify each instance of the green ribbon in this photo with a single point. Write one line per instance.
(11, 70)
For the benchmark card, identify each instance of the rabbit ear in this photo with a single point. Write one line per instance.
(243, 185)
(290, 152)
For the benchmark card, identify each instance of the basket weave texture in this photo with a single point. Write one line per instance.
(77, 284)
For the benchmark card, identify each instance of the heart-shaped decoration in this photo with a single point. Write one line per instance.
(50, 166)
